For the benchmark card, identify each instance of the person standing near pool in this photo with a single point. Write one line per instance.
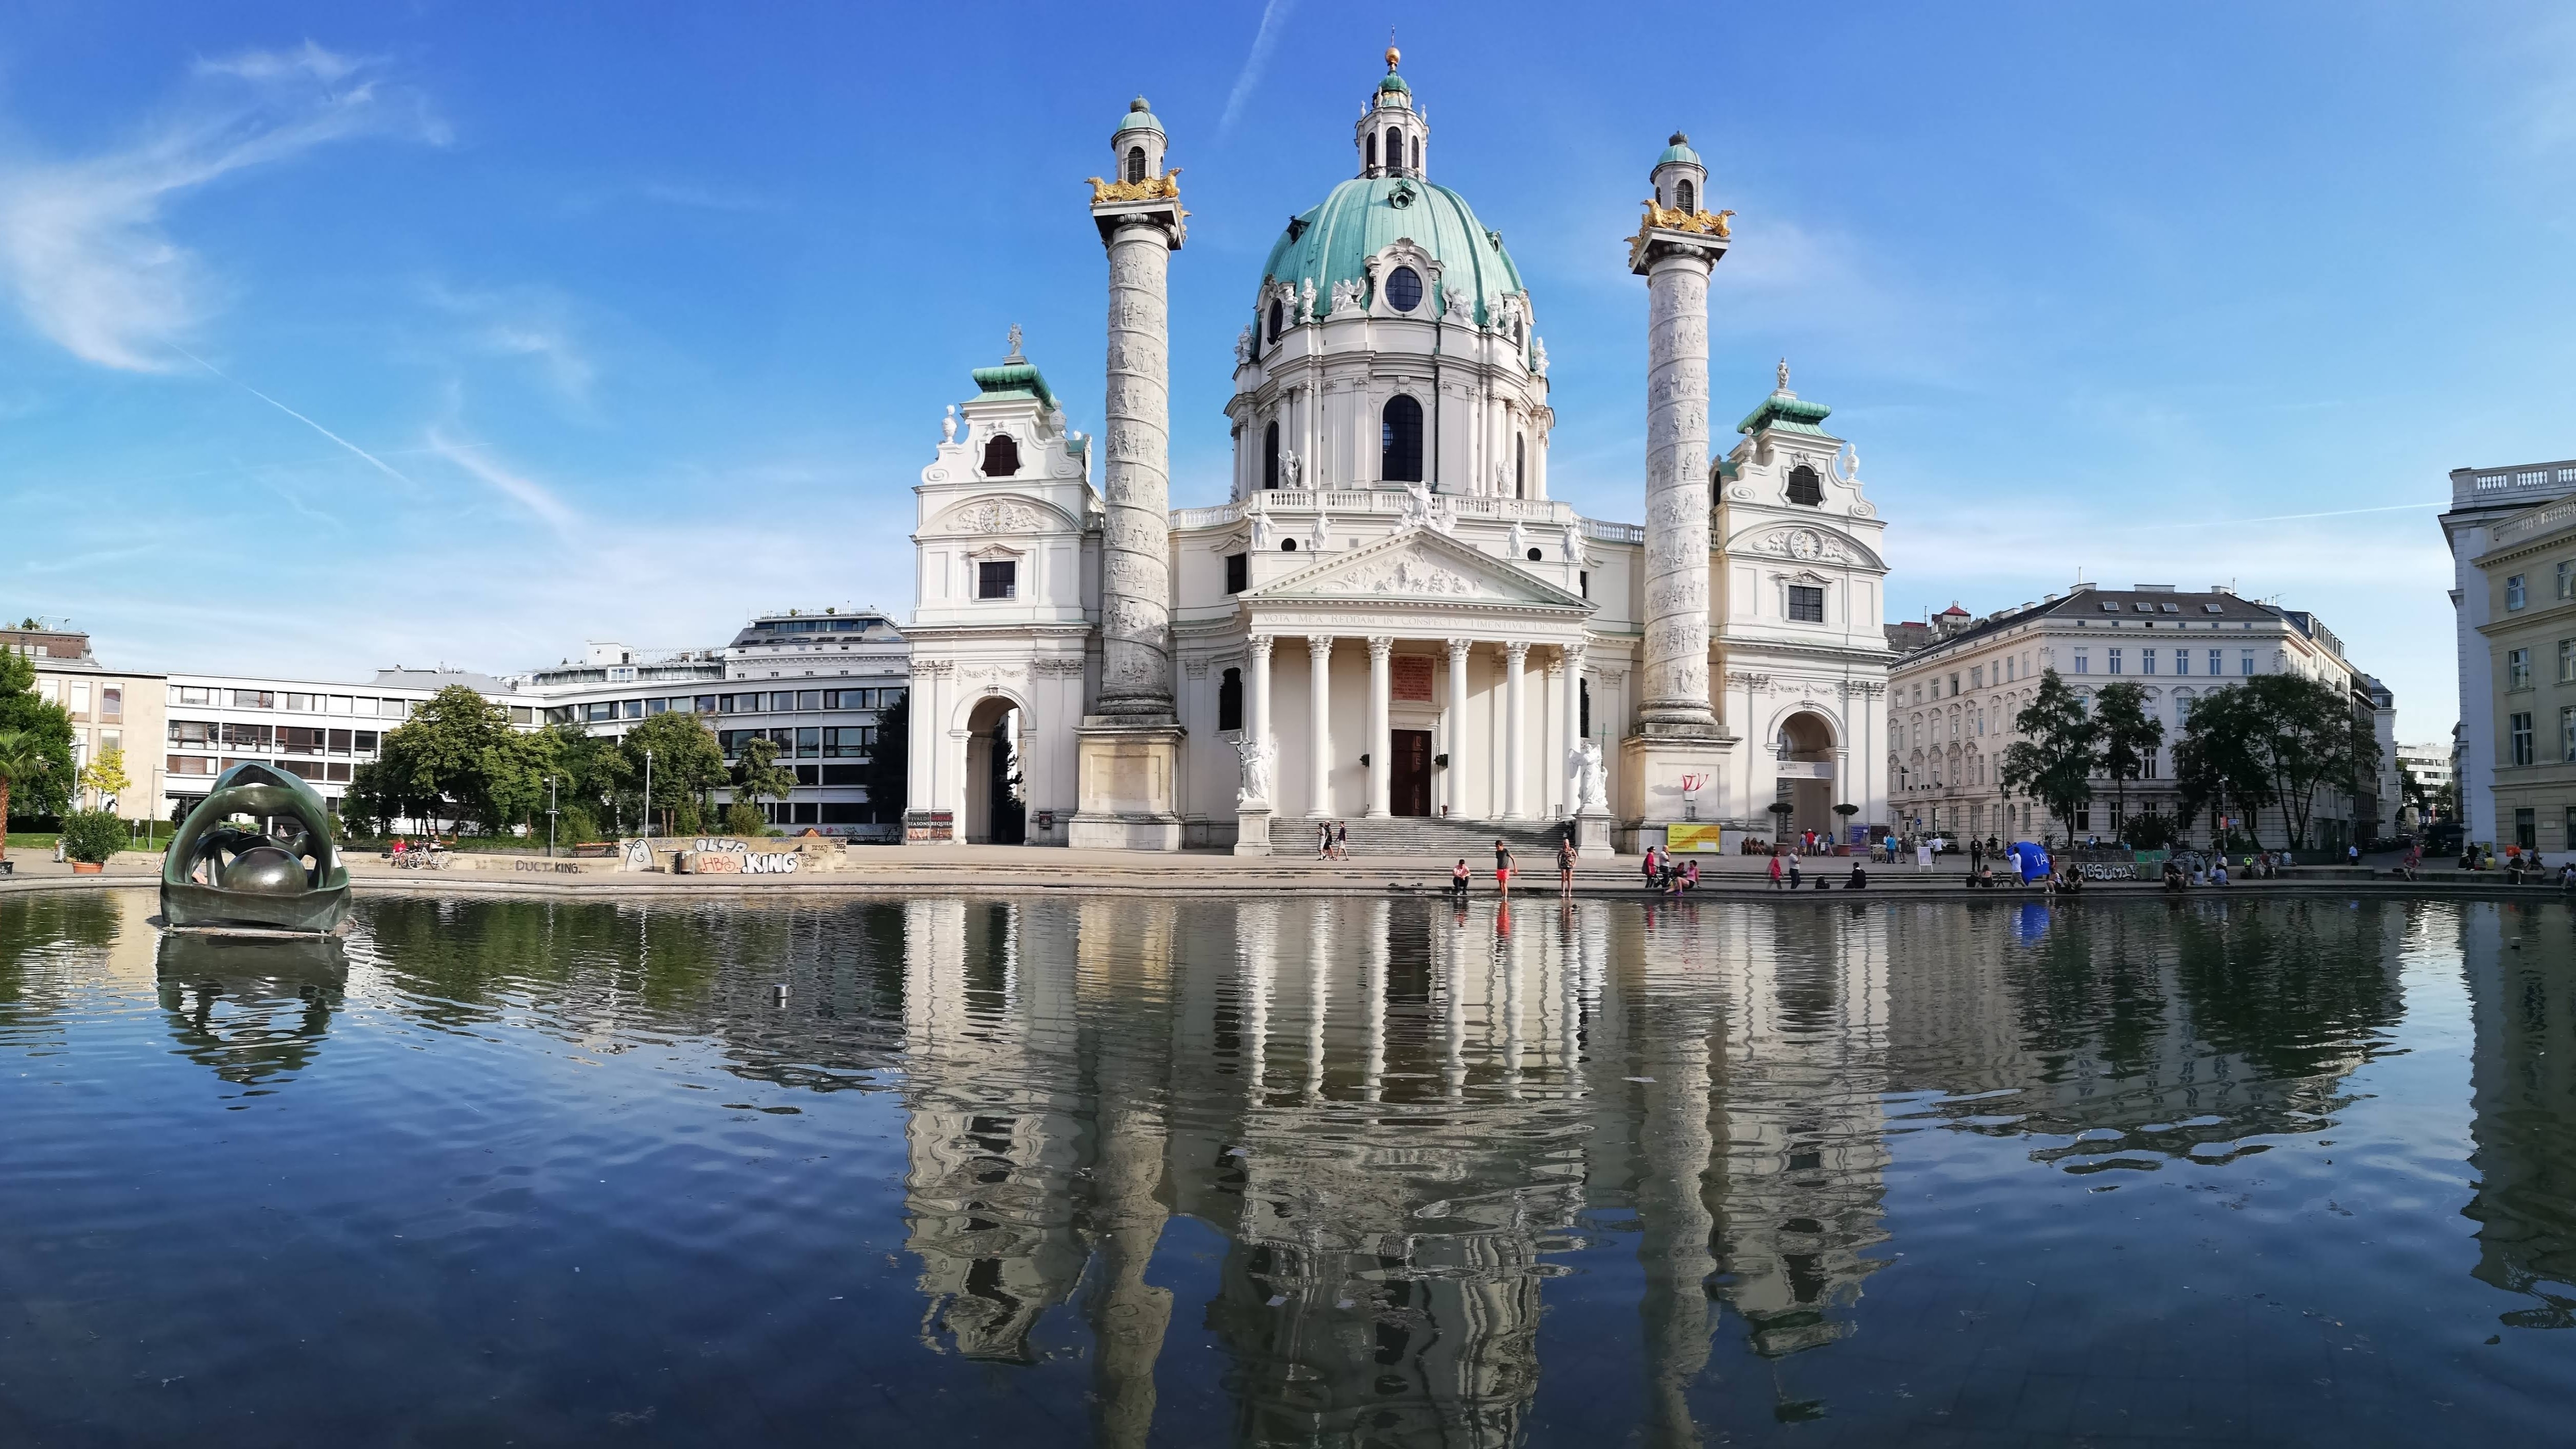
(1502, 866)
(1565, 857)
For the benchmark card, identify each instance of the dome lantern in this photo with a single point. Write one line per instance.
(1681, 181)
(1392, 134)
(1137, 144)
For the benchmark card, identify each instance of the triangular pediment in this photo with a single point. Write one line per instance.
(1420, 565)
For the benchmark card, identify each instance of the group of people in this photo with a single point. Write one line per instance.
(1332, 841)
(1664, 874)
(1506, 866)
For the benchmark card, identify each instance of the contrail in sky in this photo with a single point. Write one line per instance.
(1273, 16)
(2288, 517)
(380, 464)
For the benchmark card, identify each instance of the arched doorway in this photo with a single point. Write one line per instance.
(996, 809)
(1803, 754)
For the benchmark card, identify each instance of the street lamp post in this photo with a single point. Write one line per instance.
(648, 794)
(550, 817)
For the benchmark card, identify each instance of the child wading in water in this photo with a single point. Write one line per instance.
(1565, 856)
(1502, 868)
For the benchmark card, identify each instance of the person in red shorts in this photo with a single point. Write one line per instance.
(1502, 867)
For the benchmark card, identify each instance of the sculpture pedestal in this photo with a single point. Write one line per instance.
(1592, 833)
(1252, 830)
(1652, 772)
(1126, 782)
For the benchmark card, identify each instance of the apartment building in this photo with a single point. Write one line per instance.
(110, 709)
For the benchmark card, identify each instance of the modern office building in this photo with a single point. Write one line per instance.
(318, 731)
(2483, 502)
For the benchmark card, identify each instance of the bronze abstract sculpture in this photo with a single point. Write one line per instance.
(288, 877)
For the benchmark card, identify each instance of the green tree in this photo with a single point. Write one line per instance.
(45, 790)
(2054, 760)
(757, 775)
(106, 774)
(888, 771)
(24, 762)
(2128, 737)
(2218, 765)
(2275, 740)
(688, 764)
(458, 759)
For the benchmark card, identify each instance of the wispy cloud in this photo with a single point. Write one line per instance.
(1274, 18)
(529, 494)
(379, 464)
(534, 323)
(85, 251)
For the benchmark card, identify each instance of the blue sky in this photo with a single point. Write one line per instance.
(334, 337)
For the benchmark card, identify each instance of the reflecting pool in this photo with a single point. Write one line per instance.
(1360, 1171)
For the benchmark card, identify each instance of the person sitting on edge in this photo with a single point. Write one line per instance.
(2218, 871)
(1458, 879)
(1690, 875)
(1859, 877)
(2173, 875)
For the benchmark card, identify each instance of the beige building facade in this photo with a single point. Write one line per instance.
(1953, 701)
(110, 709)
(2527, 577)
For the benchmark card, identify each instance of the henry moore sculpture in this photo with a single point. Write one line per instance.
(279, 873)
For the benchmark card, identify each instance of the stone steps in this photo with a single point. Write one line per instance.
(1533, 841)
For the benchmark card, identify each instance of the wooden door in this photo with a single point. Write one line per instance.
(1409, 787)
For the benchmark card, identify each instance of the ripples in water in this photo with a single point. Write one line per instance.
(1351, 1172)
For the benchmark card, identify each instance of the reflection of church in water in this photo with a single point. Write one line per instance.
(1406, 1123)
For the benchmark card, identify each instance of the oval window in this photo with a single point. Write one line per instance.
(1404, 289)
(1287, 545)
(1533, 555)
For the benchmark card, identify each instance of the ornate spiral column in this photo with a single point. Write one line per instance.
(1135, 576)
(1677, 504)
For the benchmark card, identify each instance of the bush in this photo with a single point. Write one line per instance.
(745, 820)
(91, 836)
(575, 825)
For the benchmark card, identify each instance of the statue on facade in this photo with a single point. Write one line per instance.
(1289, 465)
(1347, 295)
(1417, 504)
(1258, 756)
(1320, 539)
(1260, 526)
(1573, 540)
(1538, 356)
(1520, 540)
(1243, 347)
(948, 425)
(1444, 514)
(1015, 345)
(1306, 301)
(280, 873)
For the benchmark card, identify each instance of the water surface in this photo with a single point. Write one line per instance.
(1362, 1172)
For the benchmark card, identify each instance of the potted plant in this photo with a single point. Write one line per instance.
(1846, 810)
(90, 837)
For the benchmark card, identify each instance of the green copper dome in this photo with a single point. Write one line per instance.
(1332, 242)
(1394, 82)
(1680, 150)
(1140, 117)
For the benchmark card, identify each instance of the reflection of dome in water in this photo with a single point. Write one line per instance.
(266, 870)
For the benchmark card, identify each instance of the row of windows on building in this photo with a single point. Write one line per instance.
(806, 742)
(200, 734)
(297, 702)
(334, 772)
(2517, 665)
(2517, 592)
(1974, 723)
(2522, 748)
(2114, 661)
(74, 697)
(1973, 769)
(775, 701)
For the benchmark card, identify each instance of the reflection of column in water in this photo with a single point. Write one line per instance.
(1257, 952)
(1373, 1001)
(989, 1142)
(1126, 952)
(1673, 1244)
(1318, 961)
(1515, 962)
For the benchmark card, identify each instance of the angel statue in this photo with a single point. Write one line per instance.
(1306, 300)
(1538, 357)
(1288, 466)
(1590, 794)
(1243, 347)
(1257, 757)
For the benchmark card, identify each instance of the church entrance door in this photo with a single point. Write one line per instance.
(1409, 786)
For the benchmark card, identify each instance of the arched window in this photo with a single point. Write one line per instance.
(1372, 150)
(1686, 196)
(1229, 701)
(1583, 708)
(1278, 319)
(1001, 457)
(1805, 487)
(1270, 456)
(1135, 163)
(1394, 149)
(1417, 153)
(1404, 289)
(1400, 441)
(1520, 478)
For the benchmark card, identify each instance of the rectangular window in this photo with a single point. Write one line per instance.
(391, 708)
(2517, 669)
(2567, 661)
(2526, 828)
(1807, 604)
(339, 742)
(521, 714)
(2182, 661)
(1238, 572)
(2115, 660)
(657, 706)
(300, 703)
(2513, 592)
(339, 704)
(2244, 661)
(2567, 734)
(600, 712)
(2218, 661)
(2083, 662)
(2567, 581)
(254, 699)
(1977, 677)
(2182, 710)
(706, 704)
(809, 743)
(849, 742)
(631, 708)
(2518, 727)
(997, 579)
(2146, 661)
(111, 701)
(366, 742)
(1583, 582)
(809, 699)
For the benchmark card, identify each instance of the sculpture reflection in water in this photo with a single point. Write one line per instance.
(281, 875)
(255, 1012)
(1404, 1121)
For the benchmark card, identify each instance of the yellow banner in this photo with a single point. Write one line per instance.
(1694, 840)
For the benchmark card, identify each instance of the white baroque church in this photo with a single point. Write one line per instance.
(1389, 616)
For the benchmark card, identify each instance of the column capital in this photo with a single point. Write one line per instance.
(1516, 651)
(1458, 648)
(1319, 643)
(1380, 646)
(1260, 645)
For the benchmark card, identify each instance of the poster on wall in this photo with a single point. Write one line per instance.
(1695, 839)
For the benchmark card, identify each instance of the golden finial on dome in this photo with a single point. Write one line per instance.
(1392, 56)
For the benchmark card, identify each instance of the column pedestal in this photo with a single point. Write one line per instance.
(1252, 830)
(1128, 780)
(1652, 772)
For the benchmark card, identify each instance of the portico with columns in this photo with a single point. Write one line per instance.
(1388, 617)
